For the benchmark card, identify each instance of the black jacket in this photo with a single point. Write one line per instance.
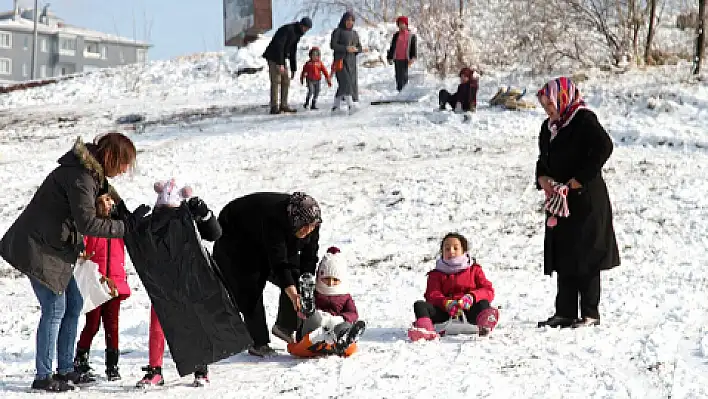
(583, 243)
(284, 45)
(47, 237)
(466, 95)
(412, 47)
(259, 242)
(201, 322)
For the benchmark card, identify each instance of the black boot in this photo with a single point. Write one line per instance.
(81, 361)
(556, 321)
(347, 337)
(112, 364)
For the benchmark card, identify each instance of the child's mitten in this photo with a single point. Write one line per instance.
(453, 308)
(466, 301)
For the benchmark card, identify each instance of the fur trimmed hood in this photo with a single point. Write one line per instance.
(82, 154)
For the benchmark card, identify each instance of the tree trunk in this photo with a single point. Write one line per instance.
(700, 41)
(650, 32)
(462, 7)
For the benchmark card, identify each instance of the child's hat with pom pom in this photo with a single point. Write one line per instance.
(170, 194)
(333, 264)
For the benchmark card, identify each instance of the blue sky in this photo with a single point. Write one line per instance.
(179, 27)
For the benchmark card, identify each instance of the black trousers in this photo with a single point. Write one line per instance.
(401, 68)
(313, 91)
(439, 315)
(569, 287)
(446, 98)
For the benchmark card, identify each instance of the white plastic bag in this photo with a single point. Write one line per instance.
(94, 292)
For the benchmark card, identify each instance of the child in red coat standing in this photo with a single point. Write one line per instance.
(109, 254)
(457, 286)
(312, 73)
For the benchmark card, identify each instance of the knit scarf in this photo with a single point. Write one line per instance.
(557, 203)
(565, 95)
(454, 265)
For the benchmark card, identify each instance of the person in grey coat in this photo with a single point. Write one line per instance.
(46, 239)
(346, 45)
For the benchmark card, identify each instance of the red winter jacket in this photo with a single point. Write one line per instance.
(442, 287)
(313, 70)
(109, 254)
(337, 305)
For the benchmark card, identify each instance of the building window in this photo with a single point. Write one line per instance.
(104, 52)
(141, 55)
(43, 45)
(42, 71)
(91, 50)
(5, 39)
(25, 70)
(67, 46)
(5, 66)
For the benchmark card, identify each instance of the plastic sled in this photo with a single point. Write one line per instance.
(456, 326)
(306, 349)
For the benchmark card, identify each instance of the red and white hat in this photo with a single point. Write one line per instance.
(333, 264)
(170, 194)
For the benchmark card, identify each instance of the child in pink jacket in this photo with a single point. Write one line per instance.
(109, 254)
(457, 286)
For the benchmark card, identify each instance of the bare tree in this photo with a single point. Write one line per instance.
(650, 32)
(700, 40)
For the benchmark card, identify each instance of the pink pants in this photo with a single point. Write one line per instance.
(157, 340)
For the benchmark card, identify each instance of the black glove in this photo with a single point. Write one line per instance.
(132, 219)
(120, 211)
(198, 208)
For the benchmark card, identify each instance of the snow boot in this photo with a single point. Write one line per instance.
(76, 378)
(262, 351)
(287, 109)
(201, 376)
(153, 377)
(422, 329)
(314, 105)
(349, 336)
(556, 321)
(486, 321)
(274, 110)
(585, 322)
(51, 384)
(112, 364)
(81, 361)
(307, 294)
(306, 104)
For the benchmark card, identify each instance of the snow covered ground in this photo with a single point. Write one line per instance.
(392, 180)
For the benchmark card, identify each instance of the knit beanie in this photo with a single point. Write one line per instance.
(303, 210)
(403, 19)
(333, 264)
(169, 194)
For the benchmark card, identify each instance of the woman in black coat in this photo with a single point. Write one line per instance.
(268, 237)
(579, 237)
(45, 241)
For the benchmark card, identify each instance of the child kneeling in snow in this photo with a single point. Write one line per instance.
(331, 326)
(457, 286)
(465, 99)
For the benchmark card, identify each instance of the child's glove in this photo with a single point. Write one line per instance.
(198, 208)
(453, 308)
(466, 302)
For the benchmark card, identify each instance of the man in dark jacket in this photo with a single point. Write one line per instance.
(268, 237)
(403, 52)
(282, 46)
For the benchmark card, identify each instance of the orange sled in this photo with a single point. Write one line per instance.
(305, 348)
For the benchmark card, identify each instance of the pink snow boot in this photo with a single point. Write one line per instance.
(487, 320)
(422, 329)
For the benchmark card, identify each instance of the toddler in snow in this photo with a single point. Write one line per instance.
(457, 286)
(465, 98)
(312, 74)
(109, 255)
(332, 325)
(169, 199)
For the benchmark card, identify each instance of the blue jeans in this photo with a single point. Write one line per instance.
(57, 327)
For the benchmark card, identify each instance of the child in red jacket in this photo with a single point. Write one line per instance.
(457, 286)
(312, 73)
(109, 254)
(333, 325)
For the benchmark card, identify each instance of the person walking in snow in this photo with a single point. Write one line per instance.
(455, 287)
(268, 237)
(283, 46)
(332, 325)
(109, 255)
(465, 99)
(312, 74)
(579, 235)
(403, 52)
(46, 239)
(346, 45)
(173, 202)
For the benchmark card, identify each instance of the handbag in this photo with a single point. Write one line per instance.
(93, 288)
(337, 65)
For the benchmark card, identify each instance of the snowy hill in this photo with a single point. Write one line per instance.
(392, 180)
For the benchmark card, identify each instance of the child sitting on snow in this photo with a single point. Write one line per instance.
(331, 326)
(109, 255)
(457, 286)
(465, 98)
(169, 199)
(312, 74)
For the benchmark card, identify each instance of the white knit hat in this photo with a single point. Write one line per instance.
(169, 194)
(333, 264)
